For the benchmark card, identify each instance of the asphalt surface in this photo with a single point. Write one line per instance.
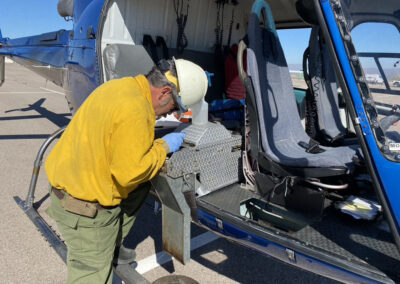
(30, 110)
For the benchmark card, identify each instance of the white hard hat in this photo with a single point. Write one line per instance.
(193, 82)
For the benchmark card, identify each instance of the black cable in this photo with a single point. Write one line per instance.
(222, 25)
(217, 26)
(181, 20)
(230, 28)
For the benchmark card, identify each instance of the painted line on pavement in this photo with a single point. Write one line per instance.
(52, 91)
(25, 92)
(160, 258)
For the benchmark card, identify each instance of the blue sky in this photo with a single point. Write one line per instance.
(30, 17)
(294, 43)
(370, 37)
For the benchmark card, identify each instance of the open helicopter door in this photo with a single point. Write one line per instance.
(382, 156)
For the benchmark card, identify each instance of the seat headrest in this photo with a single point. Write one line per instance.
(305, 9)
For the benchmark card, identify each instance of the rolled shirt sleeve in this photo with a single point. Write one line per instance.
(135, 156)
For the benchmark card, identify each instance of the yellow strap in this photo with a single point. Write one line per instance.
(172, 79)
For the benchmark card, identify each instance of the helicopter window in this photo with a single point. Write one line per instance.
(294, 42)
(377, 47)
(393, 74)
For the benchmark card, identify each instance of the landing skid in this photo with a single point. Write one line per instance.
(44, 228)
(125, 272)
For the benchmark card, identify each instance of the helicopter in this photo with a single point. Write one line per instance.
(311, 157)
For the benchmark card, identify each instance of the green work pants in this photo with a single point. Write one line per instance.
(91, 241)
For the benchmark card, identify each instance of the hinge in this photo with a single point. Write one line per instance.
(90, 33)
(219, 224)
(291, 255)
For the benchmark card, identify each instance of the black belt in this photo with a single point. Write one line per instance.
(61, 193)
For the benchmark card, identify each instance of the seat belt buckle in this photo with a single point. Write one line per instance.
(312, 147)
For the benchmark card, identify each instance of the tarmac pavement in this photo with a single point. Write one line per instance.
(30, 110)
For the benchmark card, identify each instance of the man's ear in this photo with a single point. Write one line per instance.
(164, 93)
(166, 90)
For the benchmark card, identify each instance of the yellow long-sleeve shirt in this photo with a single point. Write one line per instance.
(108, 148)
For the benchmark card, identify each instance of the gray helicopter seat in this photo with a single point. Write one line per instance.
(324, 96)
(122, 60)
(282, 136)
(324, 86)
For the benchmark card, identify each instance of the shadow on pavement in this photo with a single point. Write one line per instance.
(59, 119)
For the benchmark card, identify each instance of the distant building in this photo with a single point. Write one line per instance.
(374, 79)
(297, 74)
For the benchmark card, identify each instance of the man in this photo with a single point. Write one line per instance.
(100, 167)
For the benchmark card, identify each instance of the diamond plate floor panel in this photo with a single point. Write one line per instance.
(229, 198)
(362, 242)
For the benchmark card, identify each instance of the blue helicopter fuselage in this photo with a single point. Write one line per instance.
(67, 58)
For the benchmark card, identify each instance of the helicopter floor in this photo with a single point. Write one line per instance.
(366, 243)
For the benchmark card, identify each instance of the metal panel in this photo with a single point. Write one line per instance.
(175, 217)
(207, 148)
(207, 163)
(203, 135)
(128, 20)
